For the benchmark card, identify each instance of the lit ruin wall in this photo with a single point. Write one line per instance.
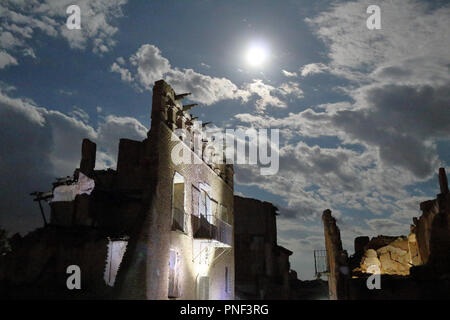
(132, 203)
(416, 266)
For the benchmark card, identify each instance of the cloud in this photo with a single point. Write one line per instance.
(387, 227)
(151, 65)
(400, 123)
(288, 74)
(290, 88)
(394, 48)
(400, 106)
(80, 114)
(20, 20)
(114, 128)
(313, 68)
(265, 93)
(39, 144)
(148, 65)
(6, 59)
(125, 74)
(205, 89)
(8, 41)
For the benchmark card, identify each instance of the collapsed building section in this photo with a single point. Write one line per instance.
(153, 228)
(262, 265)
(416, 266)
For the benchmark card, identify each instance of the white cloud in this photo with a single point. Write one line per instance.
(290, 88)
(412, 44)
(29, 52)
(205, 89)
(20, 20)
(288, 74)
(265, 93)
(125, 74)
(8, 41)
(80, 114)
(148, 65)
(313, 68)
(151, 65)
(114, 128)
(120, 60)
(24, 31)
(6, 59)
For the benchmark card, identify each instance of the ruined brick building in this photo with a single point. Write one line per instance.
(156, 227)
(151, 229)
(263, 269)
(416, 266)
(262, 266)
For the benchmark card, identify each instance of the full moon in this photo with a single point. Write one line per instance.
(256, 55)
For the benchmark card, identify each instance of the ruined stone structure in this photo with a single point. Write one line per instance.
(432, 229)
(151, 229)
(262, 266)
(336, 257)
(416, 266)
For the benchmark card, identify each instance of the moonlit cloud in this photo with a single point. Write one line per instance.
(289, 74)
(148, 65)
(21, 20)
(6, 59)
(313, 68)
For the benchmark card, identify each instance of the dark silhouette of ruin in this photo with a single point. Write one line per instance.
(151, 228)
(416, 266)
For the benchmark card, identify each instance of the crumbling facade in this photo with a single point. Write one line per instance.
(154, 228)
(336, 257)
(262, 266)
(416, 266)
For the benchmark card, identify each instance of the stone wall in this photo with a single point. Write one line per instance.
(134, 201)
(432, 229)
(36, 267)
(337, 258)
(389, 255)
(262, 266)
(145, 270)
(416, 266)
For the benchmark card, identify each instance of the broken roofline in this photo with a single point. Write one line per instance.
(168, 109)
(217, 146)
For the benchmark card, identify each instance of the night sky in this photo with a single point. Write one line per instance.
(363, 114)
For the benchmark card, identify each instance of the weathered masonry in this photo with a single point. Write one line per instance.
(262, 266)
(151, 229)
(416, 266)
